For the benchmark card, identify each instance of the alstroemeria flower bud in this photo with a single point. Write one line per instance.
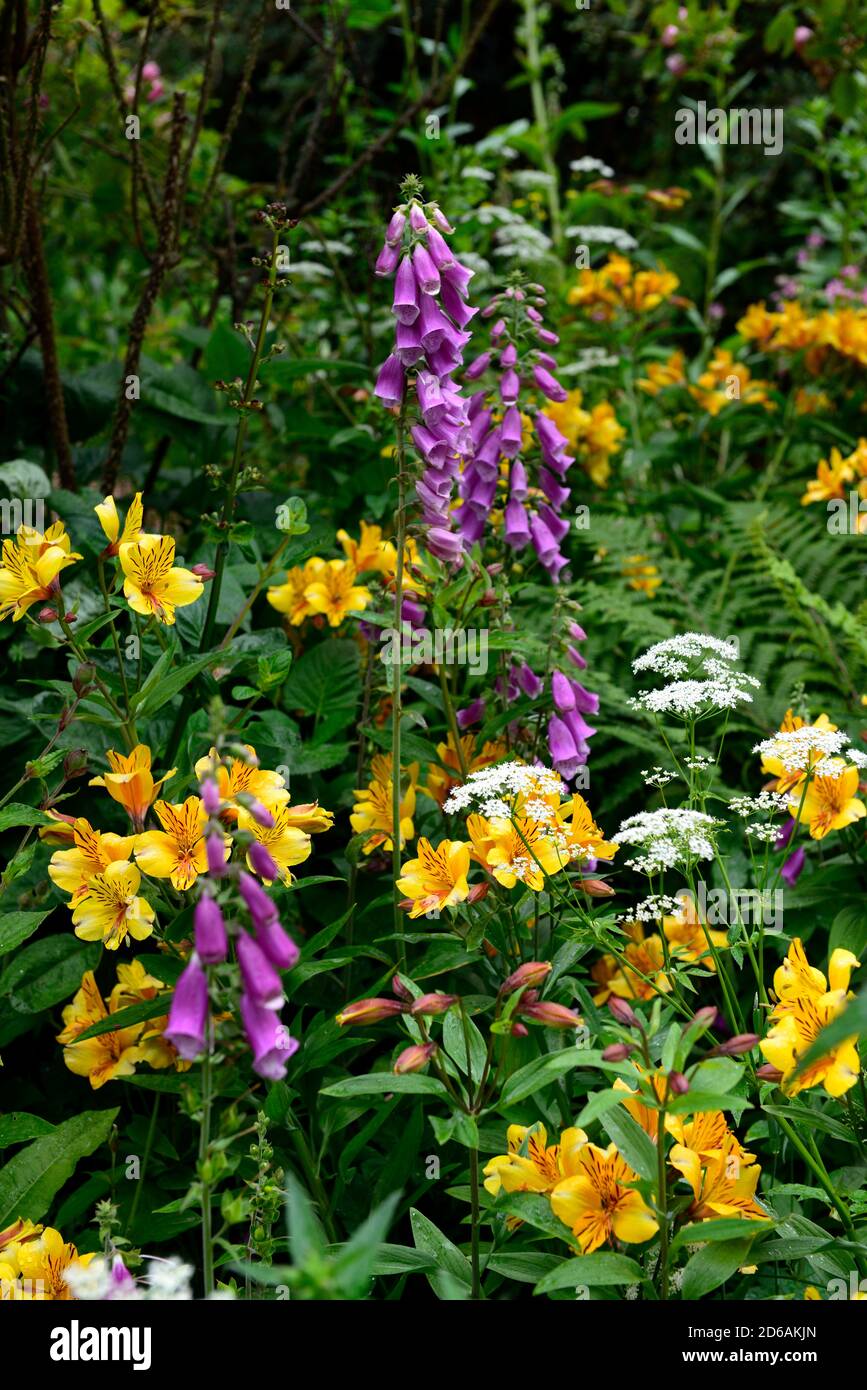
(414, 1058)
(370, 1011)
(677, 1083)
(616, 1052)
(736, 1046)
(551, 1015)
(623, 1012)
(533, 972)
(433, 1004)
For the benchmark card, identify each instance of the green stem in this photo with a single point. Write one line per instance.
(819, 1170)
(662, 1203)
(152, 1129)
(474, 1230)
(397, 675)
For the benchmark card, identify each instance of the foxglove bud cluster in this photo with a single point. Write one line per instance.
(261, 954)
(431, 314)
(502, 417)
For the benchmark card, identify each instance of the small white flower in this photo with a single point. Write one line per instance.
(669, 837)
(493, 790)
(588, 165)
(796, 749)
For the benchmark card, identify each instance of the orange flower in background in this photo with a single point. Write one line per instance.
(723, 1181)
(373, 812)
(370, 551)
(131, 781)
(176, 852)
(153, 584)
(30, 567)
(106, 1056)
(242, 776)
(688, 936)
(660, 375)
(441, 779)
(830, 801)
(335, 593)
(643, 974)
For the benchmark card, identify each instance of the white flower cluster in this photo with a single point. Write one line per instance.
(657, 776)
(797, 749)
(652, 909)
(765, 801)
(606, 236)
(669, 837)
(701, 678)
(700, 763)
(493, 790)
(588, 165)
(169, 1279)
(760, 830)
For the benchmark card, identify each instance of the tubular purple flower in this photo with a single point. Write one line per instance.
(394, 230)
(562, 692)
(261, 981)
(516, 527)
(405, 301)
(455, 306)
(518, 488)
(509, 355)
(576, 658)
(560, 742)
(426, 274)
(407, 343)
(557, 525)
(188, 1012)
(510, 386)
(210, 796)
(212, 944)
(269, 1039)
(417, 219)
(260, 906)
(386, 260)
(390, 381)
(444, 544)
(215, 852)
(441, 253)
(547, 337)
(548, 384)
(511, 432)
(471, 714)
(531, 684)
(459, 277)
(791, 870)
(261, 861)
(478, 366)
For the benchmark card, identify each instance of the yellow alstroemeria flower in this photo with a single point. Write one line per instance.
(598, 1203)
(43, 1265)
(519, 851)
(240, 776)
(286, 844)
(688, 936)
(109, 520)
(829, 803)
(110, 910)
(369, 552)
(134, 986)
(154, 585)
(176, 852)
(723, 1184)
(334, 592)
(106, 1056)
(578, 833)
(532, 1164)
(131, 781)
(93, 851)
(635, 1102)
(290, 598)
(796, 978)
(437, 878)
(641, 977)
(372, 815)
(29, 567)
(793, 1033)
(441, 779)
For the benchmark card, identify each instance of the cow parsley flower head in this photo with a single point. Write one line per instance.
(765, 801)
(494, 791)
(807, 747)
(672, 837)
(700, 673)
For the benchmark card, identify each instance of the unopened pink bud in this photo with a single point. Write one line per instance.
(677, 1083)
(526, 976)
(623, 1012)
(616, 1052)
(414, 1058)
(433, 1004)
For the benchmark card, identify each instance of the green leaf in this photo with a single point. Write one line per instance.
(48, 972)
(379, 1083)
(712, 1265)
(306, 1237)
(633, 1142)
(124, 1018)
(725, 1228)
(354, 1265)
(324, 680)
(16, 813)
(596, 1269)
(16, 927)
(401, 1259)
(599, 1104)
(848, 931)
(812, 1119)
(32, 1178)
(453, 1279)
(543, 1071)
(525, 1266)
(157, 690)
(455, 1044)
(17, 1127)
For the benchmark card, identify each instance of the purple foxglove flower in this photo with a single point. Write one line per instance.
(786, 832)
(215, 851)
(261, 815)
(518, 481)
(578, 727)
(412, 612)
(471, 519)
(261, 861)
(557, 525)
(498, 329)
(430, 399)
(586, 701)
(387, 259)
(417, 219)
(442, 222)
(562, 692)
(471, 715)
(269, 1040)
(277, 944)
(405, 301)
(791, 870)
(432, 325)
(434, 448)
(394, 230)
(426, 274)
(444, 359)
(560, 741)
(531, 684)
(261, 908)
(516, 528)
(478, 365)
(548, 385)
(390, 382)
(555, 494)
(407, 344)
(489, 451)
(260, 979)
(548, 434)
(509, 355)
(577, 631)
(480, 425)
(510, 386)
(210, 796)
(188, 1013)
(445, 545)
(534, 315)
(482, 492)
(212, 943)
(576, 658)
(441, 253)
(543, 542)
(459, 277)
(546, 360)
(511, 432)
(547, 337)
(454, 305)
(122, 1284)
